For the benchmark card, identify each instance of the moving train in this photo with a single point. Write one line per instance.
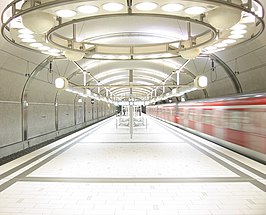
(237, 122)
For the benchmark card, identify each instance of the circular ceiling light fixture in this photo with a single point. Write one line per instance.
(195, 10)
(39, 17)
(28, 40)
(74, 56)
(236, 36)
(44, 48)
(66, 13)
(172, 7)
(87, 9)
(61, 83)
(38, 22)
(201, 82)
(54, 51)
(26, 36)
(25, 31)
(221, 45)
(36, 45)
(239, 32)
(239, 27)
(146, 6)
(229, 41)
(113, 6)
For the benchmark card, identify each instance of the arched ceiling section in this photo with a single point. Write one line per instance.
(247, 61)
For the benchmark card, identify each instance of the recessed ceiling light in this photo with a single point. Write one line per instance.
(195, 10)
(239, 32)
(238, 27)
(146, 6)
(53, 54)
(25, 31)
(140, 57)
(16, 24)
(236, 36)
(209, 48)
(174, 7)
(28, 40)
(87, 9)
(53, 51)
(123, 57)
(66, 13)
(25, 36)
(221, 45)
(44, 48)
(229, 41)
(36, 45)
(113, 6)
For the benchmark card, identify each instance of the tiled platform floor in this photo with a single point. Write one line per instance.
(100, 170)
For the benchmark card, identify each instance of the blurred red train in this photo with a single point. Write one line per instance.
(237, 122)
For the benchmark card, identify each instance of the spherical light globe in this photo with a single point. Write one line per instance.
(61, 83)
(74, 56)
(190, 53)
(201, 82)
(225, 17)
(38, 22)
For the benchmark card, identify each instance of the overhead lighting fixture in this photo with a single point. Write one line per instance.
(113, 6)
(201, 82)
(26, 36)
(229, 41)
(239, 32)
(66, 13)
(61, 83)
(195, 10)
(123, 57)
(146, 6)
(172, 7)
(28, 40)
(44, 48)
(236, 36)
(54, 51)
(36, 45)
(50, 53)
(239, 27)
(38, 20)
(25, 31)
(87, 9)
(221, 45)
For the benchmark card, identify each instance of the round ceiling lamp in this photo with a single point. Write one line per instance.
(66, 13)
(217, 16)
(87, 9)
(146, 6)
(38, 22)
(61, 83)
(190, 53)
(201, 81)
(74, 56)
(113, 6)
(172, 7)
(195, 10)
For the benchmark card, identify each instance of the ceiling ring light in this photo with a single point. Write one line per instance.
(39, 16)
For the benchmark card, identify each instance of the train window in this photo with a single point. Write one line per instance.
(191, 115)
(247, 122)
(207, 117)
(235, 120)
(263, 126)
